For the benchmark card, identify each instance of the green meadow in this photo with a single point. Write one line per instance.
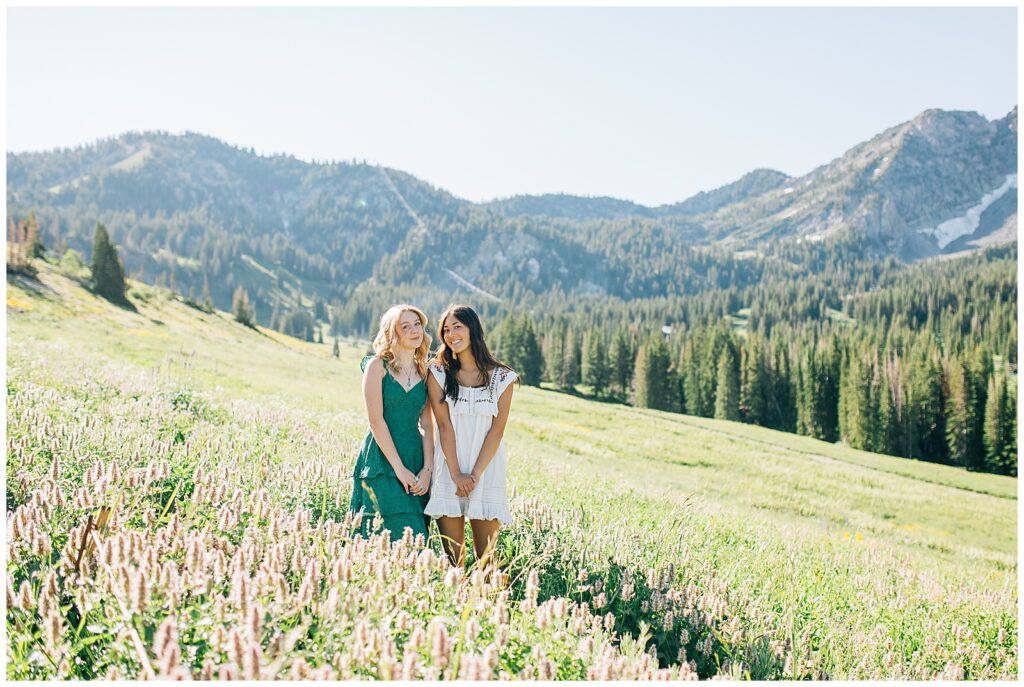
(702, 547)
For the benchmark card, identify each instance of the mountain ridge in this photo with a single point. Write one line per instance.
(1010, 118)
(187, 207)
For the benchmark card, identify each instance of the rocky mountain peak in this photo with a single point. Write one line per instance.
(1009, 122)
(939, 126)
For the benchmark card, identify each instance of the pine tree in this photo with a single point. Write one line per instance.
(520, 350)
(336, 350)
(782, 392)
(692, 375)
(508, 343)
(708, 380)
(554, 354)
(568, 370)
(585, 353)
(727, 386)
(888, 417)
(107, 271)
(597, 372)
(802, 385)
(679, 378)
(36, 247)
(622, 364)
(827, 393)
(752, 391)
(1000, 427)
(993, 437)
(926, 406)
(819, 398)
(242, 308)
(846, 400)
(661, 366)
(571, 361)
(1009, 453)
(207, 301)
(977, 368)
(958, 413)
(319, 307)
(860, 408)
(532, 364)
(651, 375)
(641, 377)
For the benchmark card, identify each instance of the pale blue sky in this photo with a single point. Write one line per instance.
(651, 105)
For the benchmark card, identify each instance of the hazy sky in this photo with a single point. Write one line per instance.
(651, 105)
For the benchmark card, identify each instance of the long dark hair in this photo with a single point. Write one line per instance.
(448, 360)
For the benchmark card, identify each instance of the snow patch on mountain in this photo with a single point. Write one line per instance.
(967, 224)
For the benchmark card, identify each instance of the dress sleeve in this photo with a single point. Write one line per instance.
(503, 377)
(438, 372)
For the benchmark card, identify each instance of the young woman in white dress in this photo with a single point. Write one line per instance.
(470, 392)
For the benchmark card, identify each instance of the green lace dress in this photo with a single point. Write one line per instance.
(375, 488)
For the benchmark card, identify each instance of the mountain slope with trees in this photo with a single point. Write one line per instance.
(784, 302)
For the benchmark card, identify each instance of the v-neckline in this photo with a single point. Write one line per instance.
(402, 386)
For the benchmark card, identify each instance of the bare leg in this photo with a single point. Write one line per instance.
(453, 538)
(485, 539)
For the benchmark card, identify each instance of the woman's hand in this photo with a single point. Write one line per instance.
(408, 480)
(464, 484)
(424, 477)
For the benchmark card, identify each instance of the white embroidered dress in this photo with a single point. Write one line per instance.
(471, 416)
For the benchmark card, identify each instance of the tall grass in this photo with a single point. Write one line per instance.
(177, 497)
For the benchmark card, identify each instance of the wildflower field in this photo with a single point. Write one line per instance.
(177, 490)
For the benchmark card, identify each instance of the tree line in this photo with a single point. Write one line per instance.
(817, 339)
(927, 368)
(920, 403)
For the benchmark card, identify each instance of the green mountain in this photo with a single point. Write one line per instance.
(750, 185)
(194, 213)
(564, 206)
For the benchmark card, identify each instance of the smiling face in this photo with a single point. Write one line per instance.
(455, 334)
(408, 330)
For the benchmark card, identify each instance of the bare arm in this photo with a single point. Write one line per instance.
(427, 430)
(444, 424)
(463, 482)
(493, 439)
(374, 401)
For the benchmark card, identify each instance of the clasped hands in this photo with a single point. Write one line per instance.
(464, 483)
(417, 485)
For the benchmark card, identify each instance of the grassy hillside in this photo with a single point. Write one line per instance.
(722, 547)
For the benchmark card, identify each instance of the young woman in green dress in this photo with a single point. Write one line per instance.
(392, 473)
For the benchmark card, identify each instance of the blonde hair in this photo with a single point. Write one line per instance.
(387, 336)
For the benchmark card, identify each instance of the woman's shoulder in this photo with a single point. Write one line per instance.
(372, 364)
(501, 378)
(437, 369)
(502, 373)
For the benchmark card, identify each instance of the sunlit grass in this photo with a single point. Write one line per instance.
(745, 551)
